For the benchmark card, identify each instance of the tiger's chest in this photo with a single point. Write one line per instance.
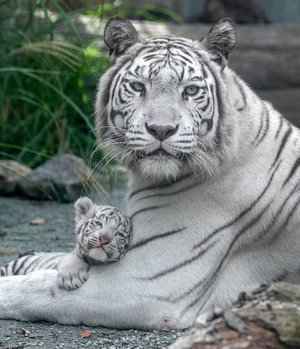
(178, 224)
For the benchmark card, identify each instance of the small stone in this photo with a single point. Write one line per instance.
(85, 334)
(37, 221)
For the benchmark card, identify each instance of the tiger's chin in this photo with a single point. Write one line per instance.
(160, 168)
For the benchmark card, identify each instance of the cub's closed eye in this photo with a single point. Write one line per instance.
(191, 90)
(137, 86)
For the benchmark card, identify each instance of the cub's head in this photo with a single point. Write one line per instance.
(102, 232)
(161, 107)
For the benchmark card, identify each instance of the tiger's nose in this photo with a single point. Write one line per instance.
(104, 239)
(161, 132)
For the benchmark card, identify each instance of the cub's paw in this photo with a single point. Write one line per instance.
(71, 280)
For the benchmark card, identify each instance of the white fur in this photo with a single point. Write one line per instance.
(123, 294)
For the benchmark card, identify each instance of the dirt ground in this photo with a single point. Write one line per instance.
(56, 234)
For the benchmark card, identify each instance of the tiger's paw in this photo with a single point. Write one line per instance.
(72, 280)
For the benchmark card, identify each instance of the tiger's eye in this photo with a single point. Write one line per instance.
(99, 224)
(119, 233)
(191, 90)
(137, 86)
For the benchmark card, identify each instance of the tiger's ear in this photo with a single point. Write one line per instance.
(220, 40)
(84, 208)
(119, 35)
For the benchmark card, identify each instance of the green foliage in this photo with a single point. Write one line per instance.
(47, 84)
(134, 10)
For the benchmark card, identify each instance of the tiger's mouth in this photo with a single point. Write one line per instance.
(159, 152)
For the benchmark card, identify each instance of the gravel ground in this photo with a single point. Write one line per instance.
(56, 234)
(21, 335)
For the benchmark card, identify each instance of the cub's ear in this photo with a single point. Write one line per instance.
(119, 35)
(220, 40)
(84, 208)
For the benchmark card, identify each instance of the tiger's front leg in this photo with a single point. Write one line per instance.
(72, 271)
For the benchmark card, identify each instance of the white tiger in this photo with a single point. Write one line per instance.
(213, 191)
(103, 235)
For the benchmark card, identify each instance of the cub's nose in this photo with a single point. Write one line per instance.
(104, 239)
(161, 132)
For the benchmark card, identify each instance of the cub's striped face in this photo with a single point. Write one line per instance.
(103, 232)
(163, 107)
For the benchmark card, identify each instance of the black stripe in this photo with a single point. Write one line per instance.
(292, 172)
(159, 186)
(147, 209)
(155, 237)
(218, 94)
(290, 215)
(47, 261)
(33, 264)
(243, 213)
(169, 194)
(241, 89)
(266, 127)
(260, 127)
(282, 144)
(280, 127)
(22, 264)
(179, 265)
(276, 216)
(114, 88)
(231, 246)
(113, 72)
(14, 264)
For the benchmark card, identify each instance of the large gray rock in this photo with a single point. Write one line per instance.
(63, 178)
(268, 318)
(11, 173)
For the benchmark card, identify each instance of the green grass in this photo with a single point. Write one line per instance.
(47, 85)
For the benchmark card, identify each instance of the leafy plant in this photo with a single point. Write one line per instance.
(134, 10)
(47, 84)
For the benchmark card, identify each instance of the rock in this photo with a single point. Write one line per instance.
(63, 178)
(11, 172)
(266, 319)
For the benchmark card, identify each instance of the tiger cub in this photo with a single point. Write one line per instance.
(103, 235)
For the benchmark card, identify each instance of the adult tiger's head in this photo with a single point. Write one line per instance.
(161, 108)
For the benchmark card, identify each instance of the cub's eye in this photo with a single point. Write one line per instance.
(99, 224)
(120, 234)
(138, 86)
(191, 90)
